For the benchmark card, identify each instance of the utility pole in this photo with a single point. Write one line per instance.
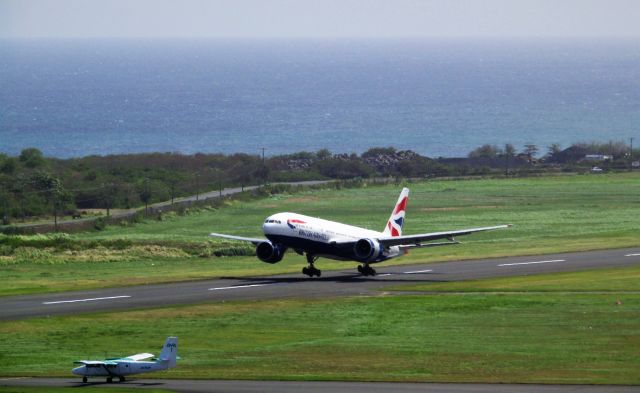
(264, 170)
(55, 214)
(631, 154)
(197, 187)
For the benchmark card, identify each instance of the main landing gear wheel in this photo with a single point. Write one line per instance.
(366, 270)
(84, 379)
(109, 380)
(121, 379)
(311, 270)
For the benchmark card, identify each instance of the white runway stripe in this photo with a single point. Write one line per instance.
(238, 287)
(532, 263)
(632, 255)
(87, 300)
(418, 271)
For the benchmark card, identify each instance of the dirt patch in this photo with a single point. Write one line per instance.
(451, 208)
(304, 199)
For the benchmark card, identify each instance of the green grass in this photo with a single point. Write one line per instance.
(550, 214)
(523, 337)
(598, 280)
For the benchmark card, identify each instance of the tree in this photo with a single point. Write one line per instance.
(32, 157)
(509, 151)
(486, 151)
(8, 165)
(530, 151)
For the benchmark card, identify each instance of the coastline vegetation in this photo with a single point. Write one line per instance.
(33, 187)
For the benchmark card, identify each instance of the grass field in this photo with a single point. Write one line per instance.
(550, 214)
(525, 336)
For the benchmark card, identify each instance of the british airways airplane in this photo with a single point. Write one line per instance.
(315, 237)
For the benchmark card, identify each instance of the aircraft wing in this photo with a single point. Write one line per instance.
(96, 362)
(139, 356)
(417, 240)
(243, 239)
(409, 240)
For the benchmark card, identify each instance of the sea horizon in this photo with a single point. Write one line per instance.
(440, 98)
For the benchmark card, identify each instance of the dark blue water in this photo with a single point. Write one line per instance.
(439, 98)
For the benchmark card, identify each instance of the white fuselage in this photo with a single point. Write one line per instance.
(120, 369)
(298, 231)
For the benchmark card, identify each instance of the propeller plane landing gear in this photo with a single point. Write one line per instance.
(311, 270)
(366, 270)
(84, 379)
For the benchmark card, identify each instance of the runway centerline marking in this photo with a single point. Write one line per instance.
(239, 287)
(385, 274)
(632, 255)
(418, 271)
(532, 263)
(87, 300)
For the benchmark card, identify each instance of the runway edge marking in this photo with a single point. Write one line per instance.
(239, 287)
(532, 263)
(87, 300)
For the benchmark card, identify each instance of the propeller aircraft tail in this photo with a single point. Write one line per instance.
(169, 352)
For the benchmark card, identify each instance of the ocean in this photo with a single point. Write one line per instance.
(73, 98)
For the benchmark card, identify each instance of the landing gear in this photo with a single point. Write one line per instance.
(84, 379)
(311, 270)
(366, 270)
(121, 379)
(109, 380)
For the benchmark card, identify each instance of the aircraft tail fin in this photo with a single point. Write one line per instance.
(396, 221)
(169, 352)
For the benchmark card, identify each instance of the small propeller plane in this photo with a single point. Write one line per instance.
(134, 364)
(315, 238)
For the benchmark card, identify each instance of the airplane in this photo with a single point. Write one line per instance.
(134, 364)
(315, 237)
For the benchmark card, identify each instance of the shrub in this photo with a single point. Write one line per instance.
(100, 223)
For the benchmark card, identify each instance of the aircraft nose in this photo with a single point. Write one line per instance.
(78, 370)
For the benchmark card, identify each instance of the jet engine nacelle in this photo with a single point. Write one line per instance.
(270, 253)
(367, 250)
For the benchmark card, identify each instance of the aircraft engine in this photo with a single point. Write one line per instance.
(270, 253)
(367, 250)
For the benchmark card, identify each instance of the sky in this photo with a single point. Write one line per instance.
(319, 18)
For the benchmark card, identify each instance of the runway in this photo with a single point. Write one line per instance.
(332, 283)
(200, 386)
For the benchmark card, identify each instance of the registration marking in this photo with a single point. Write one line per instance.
(418, 271)
(87, 300)
(238, 287)
(532, 263)
(632, 255)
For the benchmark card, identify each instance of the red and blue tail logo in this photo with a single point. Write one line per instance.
(396, 221)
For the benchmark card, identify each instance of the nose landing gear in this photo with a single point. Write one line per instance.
(311, 269)
(366, 270)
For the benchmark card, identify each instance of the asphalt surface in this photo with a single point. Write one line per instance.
(199, 386)
(332, 283)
